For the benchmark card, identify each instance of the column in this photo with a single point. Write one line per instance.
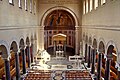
(81, 53)
(17, 66)
(89, 51)
(64, 48)
(31, 52)
(99, 66)
(107, 68)
(54, 47)
(118, 72)
(93, 61)
(23, 60)
(29, 56)
(77, 40)
(86, 52)
(7, 69)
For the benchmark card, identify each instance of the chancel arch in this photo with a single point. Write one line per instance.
(60, 22)
(61, 8)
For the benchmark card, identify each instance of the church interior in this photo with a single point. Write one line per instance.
(59, 40)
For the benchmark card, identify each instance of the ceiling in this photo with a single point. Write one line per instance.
(60, 1)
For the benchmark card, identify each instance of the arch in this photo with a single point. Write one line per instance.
(27, 41)
(86, 39)
(112, 52)
(90, 41)
(3, 51)
(83, 37)
(61, 8)
(21, 44)
(31, 39)
(111, 43)
(94, 44)
(14, 46)
(101, 47)
(5, 46)
(35, 36)
(16, 40)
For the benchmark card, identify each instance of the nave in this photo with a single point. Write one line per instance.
(58, 68)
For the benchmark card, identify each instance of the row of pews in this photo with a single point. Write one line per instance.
(38, 75)
(77, 75)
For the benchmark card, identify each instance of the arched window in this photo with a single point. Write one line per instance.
(96, 3)
(26, 5)
(84, 7)
(11, 2)
(20, 4)
(91, 3)
(31, 6)
(103, 2)
(34, 7)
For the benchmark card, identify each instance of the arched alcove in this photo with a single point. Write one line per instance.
(3, 54)
(21, 46)
(27, 51)
(112, 55)
(94, 43)
(90, 41)
(101, 49)
(13, 52)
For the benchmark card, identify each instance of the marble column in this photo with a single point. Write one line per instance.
(93, 61)
(64, 48)
(118, 73)
(89, 52)
(31, 52)
(29, 56)
(7, 69)
(118, 70)
(86, 50)
(77, 39)
(99, 66)
(54, 47)
(17, 66)
(23, 60)
(107, 68)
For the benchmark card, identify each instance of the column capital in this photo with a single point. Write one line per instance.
(6, 59)
(119, 68)
(77, 26)
(109, 57)
(22, 46)
(117, 65)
